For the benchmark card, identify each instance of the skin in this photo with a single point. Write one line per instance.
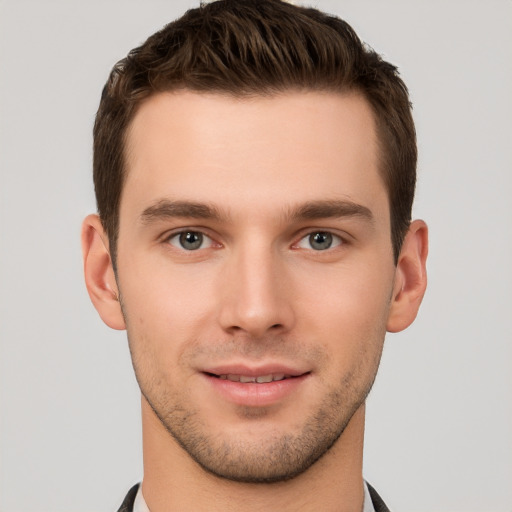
(264, 176)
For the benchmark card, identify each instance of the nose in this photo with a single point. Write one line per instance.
(256, 293)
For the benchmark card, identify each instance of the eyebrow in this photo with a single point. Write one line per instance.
(166, 209)
(331, 209)
(311, 210)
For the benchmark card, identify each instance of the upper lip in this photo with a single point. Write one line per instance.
(255, 371)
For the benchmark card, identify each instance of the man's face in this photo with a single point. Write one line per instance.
(255, 272)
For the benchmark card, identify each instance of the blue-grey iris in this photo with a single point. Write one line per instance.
(320, 241)
(191, 240)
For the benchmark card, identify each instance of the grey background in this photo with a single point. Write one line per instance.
(439, 429)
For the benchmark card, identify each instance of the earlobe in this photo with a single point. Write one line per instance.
(99, 273)
(411, 278)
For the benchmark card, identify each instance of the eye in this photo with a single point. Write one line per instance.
(320, 241)
(190, 240)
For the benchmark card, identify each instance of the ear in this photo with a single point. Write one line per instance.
(410, 278)
(99, 273)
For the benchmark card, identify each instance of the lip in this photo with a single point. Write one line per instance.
(255, 371)
(255, 394)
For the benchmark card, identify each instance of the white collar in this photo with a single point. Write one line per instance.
(139, 505)
(367, 502)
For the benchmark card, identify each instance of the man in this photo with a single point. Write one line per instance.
(254, 169)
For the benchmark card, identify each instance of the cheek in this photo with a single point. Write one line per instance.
(348, 313)
(165, 309)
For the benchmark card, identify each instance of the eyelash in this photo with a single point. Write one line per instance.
(335, 240)
(178, 237)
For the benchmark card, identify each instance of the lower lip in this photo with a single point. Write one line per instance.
(252, 394)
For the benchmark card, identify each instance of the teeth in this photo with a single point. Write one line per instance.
(264, 378)
(261, 379)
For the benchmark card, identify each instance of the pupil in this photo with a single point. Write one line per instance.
(320, 241)
(191, 240)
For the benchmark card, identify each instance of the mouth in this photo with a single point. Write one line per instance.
(251, 379)
(251, 387)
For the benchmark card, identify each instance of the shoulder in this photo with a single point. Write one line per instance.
(127, 505)
(377, 501)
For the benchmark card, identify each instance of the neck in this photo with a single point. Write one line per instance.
(174, 481)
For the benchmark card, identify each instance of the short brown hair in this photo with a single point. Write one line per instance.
(256, 47)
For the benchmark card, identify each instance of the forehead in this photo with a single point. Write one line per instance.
(281, 149)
